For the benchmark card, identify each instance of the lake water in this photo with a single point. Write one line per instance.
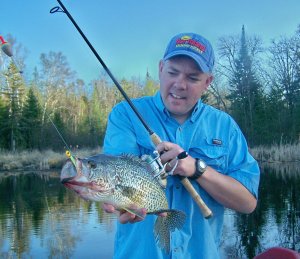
(39, 218)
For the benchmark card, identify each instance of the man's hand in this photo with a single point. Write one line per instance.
(169, 152)
(125, 216)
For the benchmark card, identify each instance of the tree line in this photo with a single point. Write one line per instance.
(258, 86)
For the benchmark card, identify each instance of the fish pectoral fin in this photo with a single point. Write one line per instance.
(134, 211)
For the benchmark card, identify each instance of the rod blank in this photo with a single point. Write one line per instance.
(154, 137)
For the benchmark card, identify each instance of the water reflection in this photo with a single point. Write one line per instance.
(275, 222)
(40, 218)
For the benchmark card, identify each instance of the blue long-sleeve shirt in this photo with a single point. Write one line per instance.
(209, 134)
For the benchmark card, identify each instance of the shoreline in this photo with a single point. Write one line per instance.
(36, 160)
(45, 160)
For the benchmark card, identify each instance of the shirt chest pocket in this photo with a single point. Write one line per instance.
(214, 155)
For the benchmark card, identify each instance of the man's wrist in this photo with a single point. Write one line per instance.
(200, 166)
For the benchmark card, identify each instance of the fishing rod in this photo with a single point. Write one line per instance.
(6, 48)
(153, 136)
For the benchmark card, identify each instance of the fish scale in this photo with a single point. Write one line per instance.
(127, 182)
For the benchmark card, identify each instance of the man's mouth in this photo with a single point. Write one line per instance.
(176, 96)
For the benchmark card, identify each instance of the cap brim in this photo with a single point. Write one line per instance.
(202, 65)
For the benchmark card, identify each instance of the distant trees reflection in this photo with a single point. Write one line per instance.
(276, 221)
(38, 210)
(40, 217)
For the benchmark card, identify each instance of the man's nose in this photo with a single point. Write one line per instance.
(181, 83)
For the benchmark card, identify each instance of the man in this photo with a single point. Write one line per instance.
(219, 165)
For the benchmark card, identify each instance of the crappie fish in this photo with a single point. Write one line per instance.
(126, 182)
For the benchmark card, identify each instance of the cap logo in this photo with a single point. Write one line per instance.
(188, 42)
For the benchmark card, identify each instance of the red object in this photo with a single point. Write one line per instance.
(2, 40)
(278, 253)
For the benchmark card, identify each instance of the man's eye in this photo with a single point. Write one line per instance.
(194, 79)
(172, 73)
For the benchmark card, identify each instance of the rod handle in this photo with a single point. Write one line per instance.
(206, 212)
(155, 139)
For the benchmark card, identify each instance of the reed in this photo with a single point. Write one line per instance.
(39, 160)
(277, 153)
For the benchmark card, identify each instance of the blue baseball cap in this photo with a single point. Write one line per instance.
(194, 46)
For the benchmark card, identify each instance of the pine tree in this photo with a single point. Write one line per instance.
(4, 130)
(31, 121)
(285, 65)
(246, 94)
(13, 95)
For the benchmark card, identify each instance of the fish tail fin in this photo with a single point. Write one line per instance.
(165, 225)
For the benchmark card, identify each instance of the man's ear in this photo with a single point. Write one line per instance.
(209, 79)
(160, 67)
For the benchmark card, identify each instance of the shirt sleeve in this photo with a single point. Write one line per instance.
(242, 166)
(120, 137)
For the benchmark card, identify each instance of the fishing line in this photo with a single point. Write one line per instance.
(154, 137)
(64, 10)
(6, 48)
(68, 151)
(62, 138)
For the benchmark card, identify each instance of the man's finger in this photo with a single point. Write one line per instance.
(108, 208)
(126, 216)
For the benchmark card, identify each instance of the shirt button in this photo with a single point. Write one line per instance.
(177, 186)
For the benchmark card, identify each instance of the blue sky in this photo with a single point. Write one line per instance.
(131, 36)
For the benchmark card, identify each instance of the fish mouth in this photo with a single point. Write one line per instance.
(76, 180)
(82, 181)
(69, 171)
(72, 175)
(88, 191)
(66, 180)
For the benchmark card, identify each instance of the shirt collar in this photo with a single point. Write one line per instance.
(165, 113)
(197, 109)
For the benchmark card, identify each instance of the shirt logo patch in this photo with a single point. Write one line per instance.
(217, 141)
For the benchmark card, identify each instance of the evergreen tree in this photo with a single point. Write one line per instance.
(246, 95)
(13, 94)
(4, 130)
(285, 65)
(31, 121)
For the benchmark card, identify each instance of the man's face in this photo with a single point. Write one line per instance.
(181, 85)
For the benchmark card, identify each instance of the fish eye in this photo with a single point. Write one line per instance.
(92, 164)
